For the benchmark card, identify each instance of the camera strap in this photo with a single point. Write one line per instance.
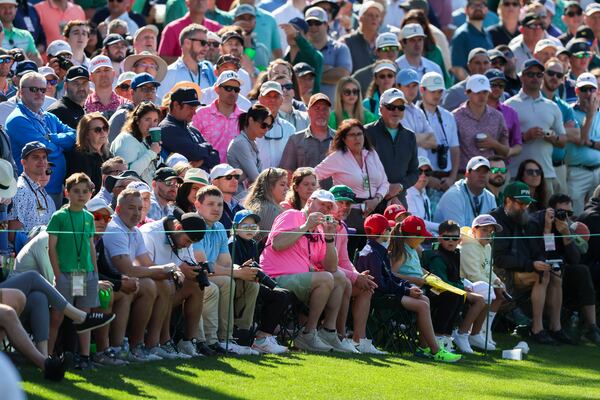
(439, 118)
(169, 235)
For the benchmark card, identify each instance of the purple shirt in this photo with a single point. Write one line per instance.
(491, 123)
(511, 119)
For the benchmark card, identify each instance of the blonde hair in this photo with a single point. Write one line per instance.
(358, 111)
(261, 190)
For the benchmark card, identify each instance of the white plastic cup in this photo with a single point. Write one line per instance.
(512, 354)
(479, 137)
(523, 346)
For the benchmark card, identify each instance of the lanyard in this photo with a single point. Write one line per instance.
(78, 246)
(192, 76)
(476, 210)
(439, 118)
(37, 199)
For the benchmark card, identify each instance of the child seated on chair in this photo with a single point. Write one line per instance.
(444, 262)
(373, 257)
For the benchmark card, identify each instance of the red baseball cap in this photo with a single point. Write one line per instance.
(393, 211)
(376, 224)
(415, 226)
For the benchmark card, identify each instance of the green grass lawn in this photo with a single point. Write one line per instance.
(566, 372)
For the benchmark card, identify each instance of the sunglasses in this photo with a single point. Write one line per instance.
(391, 107)
(34, 89)
(124, 86)
(511, 4)
(201, 41)
(230, 177)
(509, 54)
(100, 129)
(5, 60)
(248, 227)
(314, 23)
(498, 85)
(585, 54)
(389, 49)
(288, 86)
(499, 61)
(350, 92)
(572, 14)
(450, 238)
(266, 126)
(535, 26)
(170, 183)
(533, 172)
(498, 170)
(553, 74)
(426, 172)
(230, 89)
(587, 89)
(214, 45)
(386, 76)
(52, 82)
(537, 75)
(102, 217)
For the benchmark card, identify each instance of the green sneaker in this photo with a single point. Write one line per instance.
(445, 356)
(423, 352)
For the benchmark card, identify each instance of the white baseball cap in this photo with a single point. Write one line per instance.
(13, 2)
(317, 14)
(432, 81)
(412, 30)
(391, 95)
(99, 62)
(369, 4)
(390, 65)
(478, 83)
(126, 76)
(387, 39)
(96, 204)
(550, 6)
(476, 162)
(196, 175)
(57, 47)
(587, 79)
(223, 170)
(47, 71)
(270, 86)
(139, 186)
(592, 8)
(424, 161)
(323, 195)
(544, 43)
(228, 76)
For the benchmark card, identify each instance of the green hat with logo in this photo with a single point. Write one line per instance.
(519, 191)
(343, 193)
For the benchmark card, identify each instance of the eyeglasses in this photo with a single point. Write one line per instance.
(314, 23)
(385, 76)
(585, 54)
(248, 227)
(214, 45)
(510, 4)
(102, 217)
(587, 89)
(230, 89)
(350, 92)
(388, 49)
(124, 86)
(498, 85)
(449, 238)
(391, 107)
(100, 129)
(146, 65)
(287, 86)
(499, 61)
(202, 42)
(5, 60)
(533, 172)
(52, 82)
(538, 75)
(553, 74)
(572, 14)
(230, 177)
(34, 89)
(498, 170)
(426, 172)
(170, 182)
(147, 89)
(534, 26)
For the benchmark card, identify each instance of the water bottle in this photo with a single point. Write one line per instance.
(574, 326)
(125, 347)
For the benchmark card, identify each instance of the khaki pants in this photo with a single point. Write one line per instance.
(561, 180)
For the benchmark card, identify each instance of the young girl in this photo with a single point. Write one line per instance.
(348, 104)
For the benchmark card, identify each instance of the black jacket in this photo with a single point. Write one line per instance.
(373, 257)
(89, 163)
(591, 217)
(398, 156)
(67, 111)
(569, 254)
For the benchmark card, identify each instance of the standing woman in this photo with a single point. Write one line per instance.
(304, 183)
(264, 197)
(91, 148)
(349, 104)
(242, 152)
(384, 78)
(353, 161)
(133, 143)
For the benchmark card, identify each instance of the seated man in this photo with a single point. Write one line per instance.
(300, 242)
(164, 191)
(214, 249)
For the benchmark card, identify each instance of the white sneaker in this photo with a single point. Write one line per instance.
(140, 353)
(188, 348)
(348, 344)
(311, 342)
(479, 342)
(162, 353)
(268, 345)
(240, 350)
(365, 346)
(332, 339)
(462, 341)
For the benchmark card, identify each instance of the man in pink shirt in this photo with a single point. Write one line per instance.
(218, 122)
(169, 47)
(300, 243)
(103, 99)
(54, 15)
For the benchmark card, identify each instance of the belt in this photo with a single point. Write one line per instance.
(558, 163)
(440, 174)
(586, 167)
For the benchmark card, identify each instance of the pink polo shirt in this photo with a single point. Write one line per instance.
(54, 19)
(92, 103)
(299, 257)
(169, 44)
(216, 128)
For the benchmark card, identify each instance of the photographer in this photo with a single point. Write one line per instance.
(553, 223)
(59, 59)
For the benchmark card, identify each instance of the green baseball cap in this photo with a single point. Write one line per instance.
(519, 191)
(343, 193)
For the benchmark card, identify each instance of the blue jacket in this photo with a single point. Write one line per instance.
(23, 126)
(373, 257)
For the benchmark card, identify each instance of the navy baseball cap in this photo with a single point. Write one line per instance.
(300, 24)
(24, 67)
(576, 46)
(33, 146)
(143, 79)
(531, 63)
(112, 39)
(186, 96)
(77, 72)
(495, 74)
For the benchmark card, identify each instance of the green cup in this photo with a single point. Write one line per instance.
(104, 296)
(155, 134)
(93, 349)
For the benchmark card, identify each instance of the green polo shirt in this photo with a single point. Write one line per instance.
(18, 38)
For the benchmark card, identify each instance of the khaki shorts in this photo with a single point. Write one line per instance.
(525, 279)
(299, 284)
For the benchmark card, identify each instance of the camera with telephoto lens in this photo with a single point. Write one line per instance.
(202, 278)
(555, 264)
(442, 155)
(560, 214)
(263, 278)
(63, 62)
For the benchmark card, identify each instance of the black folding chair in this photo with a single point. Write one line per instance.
(391, 326)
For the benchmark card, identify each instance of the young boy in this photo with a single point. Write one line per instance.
(73, 255)
(476, 265)
(444, 262)
(373, 257)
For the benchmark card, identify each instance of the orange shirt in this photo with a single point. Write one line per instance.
(53, 19)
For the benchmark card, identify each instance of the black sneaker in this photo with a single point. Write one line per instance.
(203, 348)
(542, 337)
(84, 364)
(55, 367)
(94, 321)
(593, 334)
(217, 348)
(562, 337)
